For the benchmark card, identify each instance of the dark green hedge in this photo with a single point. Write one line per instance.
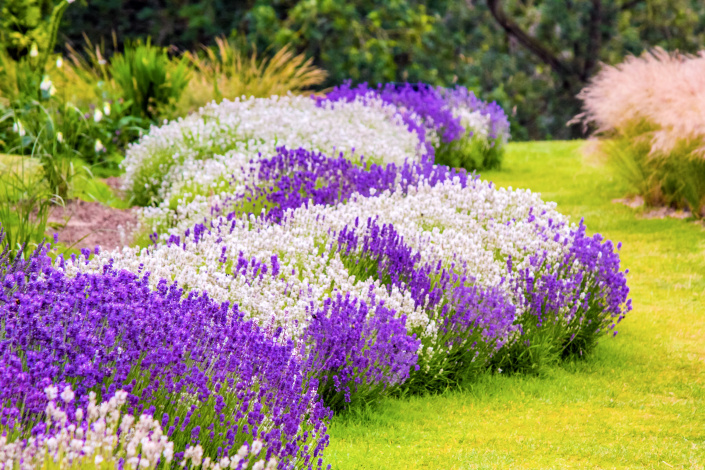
(438, 42)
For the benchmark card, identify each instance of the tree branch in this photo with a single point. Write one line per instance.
(533, 45)
(631, 4)
(594, 45)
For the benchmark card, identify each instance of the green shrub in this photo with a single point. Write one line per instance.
(471, 154)
(25, 202)
(65, 138)
(675, 179)
(27, 40)
(148, 79)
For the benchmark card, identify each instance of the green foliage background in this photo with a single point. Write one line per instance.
(439, 41)
(20, 25)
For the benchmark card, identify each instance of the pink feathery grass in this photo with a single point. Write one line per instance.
(659, 96)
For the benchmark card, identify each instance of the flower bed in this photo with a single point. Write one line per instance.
(211, 378)
(202, 152)
(292, 284)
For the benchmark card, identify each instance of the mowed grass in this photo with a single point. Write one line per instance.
(637, 402)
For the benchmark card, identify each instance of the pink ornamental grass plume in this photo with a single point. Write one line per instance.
(660, 93)
(652, 110)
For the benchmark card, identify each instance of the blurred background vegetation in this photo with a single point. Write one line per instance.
(80, 80)
(532, 56)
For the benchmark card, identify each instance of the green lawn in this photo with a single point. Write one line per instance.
(637, 402)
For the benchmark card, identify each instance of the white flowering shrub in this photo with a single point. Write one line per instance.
(104, 437)
(200, 152)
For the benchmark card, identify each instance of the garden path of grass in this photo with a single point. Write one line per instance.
(637, 402)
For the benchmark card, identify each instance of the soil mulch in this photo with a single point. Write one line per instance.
(636, 202)
(115, 183)
(87, 224)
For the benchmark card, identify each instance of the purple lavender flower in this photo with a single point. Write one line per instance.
(458, 97)
(421, 100)
(576, 306)
(294, 177)
(359, 350)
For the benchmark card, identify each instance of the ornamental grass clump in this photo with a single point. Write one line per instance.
(226, 72)
(457, 128)
(148, 79)
(650, 110)
(209, 377)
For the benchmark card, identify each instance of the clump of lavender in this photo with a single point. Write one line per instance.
(461, 98)
(566, 308)
(438, 121)
(359, 350)
(208, 376)
(456, 127)
(485, 122)
(466, 324)
(546, 312)
(295, 178)
(104, 437)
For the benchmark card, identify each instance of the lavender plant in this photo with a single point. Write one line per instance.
(293, 178)
(197, 154)
(567, 310)
(104, 439)
(456, 127)
(360, 351)
(466, 324)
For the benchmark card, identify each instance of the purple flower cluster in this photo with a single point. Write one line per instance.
(566, 309)
(353, 348)
(359, 350)
(438, 110)
(461, 97)
(476, 323)
(419, 100)
(211, 377)
(584, 302)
